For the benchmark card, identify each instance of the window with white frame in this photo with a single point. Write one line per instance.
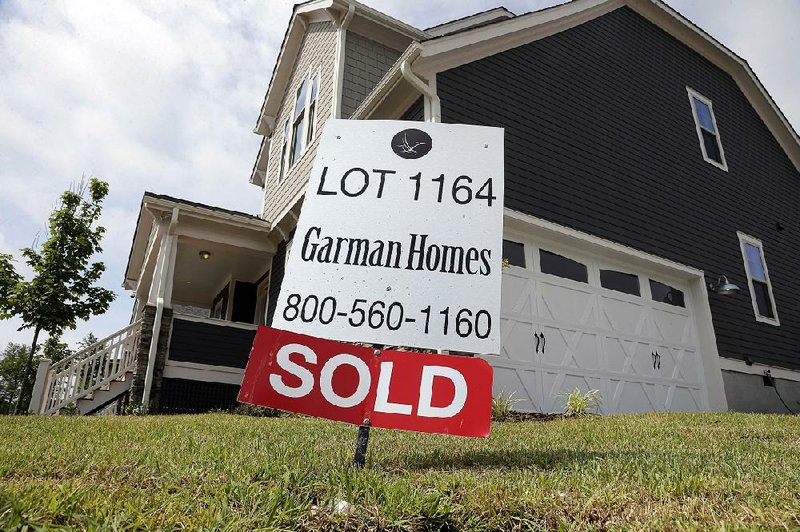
(755, 266)
(284, 149)
(300, 128)
(707, 132)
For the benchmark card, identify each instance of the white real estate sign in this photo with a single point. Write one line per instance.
(400, 237)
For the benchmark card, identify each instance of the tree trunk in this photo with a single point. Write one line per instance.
(26, 378)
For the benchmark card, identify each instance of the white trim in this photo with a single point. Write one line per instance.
(314, 76)
(338, 65)
(202, 372)
(739, 366)
(217, 322)
(204, 213)
(286, 255)
(283, 166)
(586, 242)
(747, 239)
(707, 340)
(450, 51)
(472, 20)
(263, 307)
(693, 94)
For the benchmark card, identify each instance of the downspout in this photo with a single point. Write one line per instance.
(424, 88)
(166, 248)
(341, 37)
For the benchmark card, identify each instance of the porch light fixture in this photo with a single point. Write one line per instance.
(723, 286)
(205, 255)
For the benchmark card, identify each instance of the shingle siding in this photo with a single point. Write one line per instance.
(276, 280)
(365, 63)
(600, 137)
(317, 54)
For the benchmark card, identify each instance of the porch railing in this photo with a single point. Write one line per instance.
(90, 369)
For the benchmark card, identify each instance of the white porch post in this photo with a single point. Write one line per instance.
(162, 279)
(40, 387)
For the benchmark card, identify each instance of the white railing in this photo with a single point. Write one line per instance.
(90, 369)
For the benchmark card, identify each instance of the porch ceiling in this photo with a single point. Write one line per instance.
(198, 281)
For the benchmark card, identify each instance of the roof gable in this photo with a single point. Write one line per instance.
(451, 50)
(320, 11)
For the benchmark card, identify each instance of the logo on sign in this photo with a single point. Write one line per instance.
(412, 144)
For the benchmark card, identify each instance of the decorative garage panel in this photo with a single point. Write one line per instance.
(559, 334)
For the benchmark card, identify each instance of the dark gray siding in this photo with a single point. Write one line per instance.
(204, 343)
(600, 137)
(276, 279)
(415, 112)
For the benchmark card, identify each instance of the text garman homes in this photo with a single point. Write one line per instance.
(651, 222)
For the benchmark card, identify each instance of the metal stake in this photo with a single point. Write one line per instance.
(360, 457)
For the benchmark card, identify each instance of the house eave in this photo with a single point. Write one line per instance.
(452, 50)
(154, 205)
(310, 11)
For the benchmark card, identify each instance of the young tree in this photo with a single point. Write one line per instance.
(8, 280)
(62, 290)
(88, 340)
(55, 350)
(12, 369)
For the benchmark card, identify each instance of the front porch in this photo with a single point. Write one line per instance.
(203, 273)
(200, 278)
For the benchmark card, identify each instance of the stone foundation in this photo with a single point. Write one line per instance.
(137, 389)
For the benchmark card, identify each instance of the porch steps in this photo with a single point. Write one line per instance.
(106, 394)
(91, 378)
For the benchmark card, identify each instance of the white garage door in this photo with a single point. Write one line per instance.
(572, 320)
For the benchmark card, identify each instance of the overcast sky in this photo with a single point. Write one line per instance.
(163, 96)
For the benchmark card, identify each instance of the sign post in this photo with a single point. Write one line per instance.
(399, 243)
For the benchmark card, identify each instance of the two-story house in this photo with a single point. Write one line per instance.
(651, 217)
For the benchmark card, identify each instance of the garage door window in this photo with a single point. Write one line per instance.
(758, 276)
(666, 294)
(554, 264)
(514, 252)
(627, 283)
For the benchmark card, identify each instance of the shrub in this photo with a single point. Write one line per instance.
(577, 403)
(502, 406)
(69, 410)
(135, 409)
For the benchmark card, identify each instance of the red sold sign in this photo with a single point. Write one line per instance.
(394, 389)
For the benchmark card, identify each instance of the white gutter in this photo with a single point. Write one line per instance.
(341, 38)
(166, 251)
(432, 99)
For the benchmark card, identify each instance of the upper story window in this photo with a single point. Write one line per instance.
(707, 132)
(758, 279)
(300, 128)
(283, 149)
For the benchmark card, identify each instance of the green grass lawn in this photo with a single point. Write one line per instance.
(239, 473)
